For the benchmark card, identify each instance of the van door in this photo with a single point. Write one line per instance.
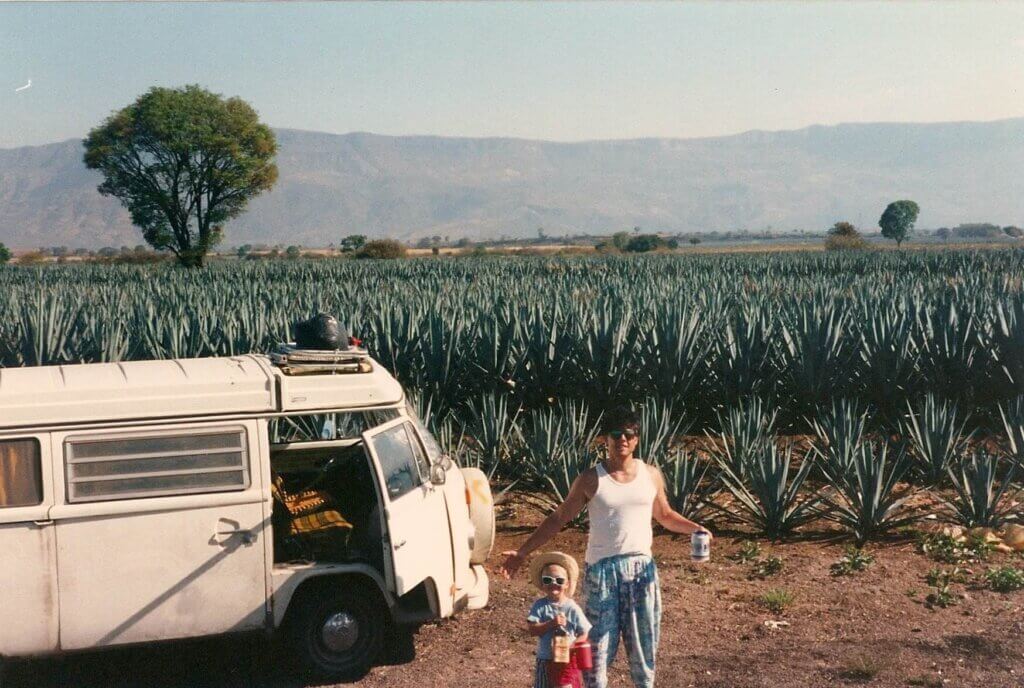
(457, 509)
(414, 509)
(161, 534)
(28, 582)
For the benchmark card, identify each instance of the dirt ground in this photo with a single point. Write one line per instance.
(872, 628)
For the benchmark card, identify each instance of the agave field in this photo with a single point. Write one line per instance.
(821, 386)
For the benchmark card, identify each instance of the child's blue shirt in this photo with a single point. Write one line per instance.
(544, 610)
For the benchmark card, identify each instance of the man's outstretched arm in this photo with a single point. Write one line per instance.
(550, 527)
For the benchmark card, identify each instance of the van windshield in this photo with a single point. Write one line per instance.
(321, 427)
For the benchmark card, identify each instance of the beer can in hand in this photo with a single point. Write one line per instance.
(700, 545)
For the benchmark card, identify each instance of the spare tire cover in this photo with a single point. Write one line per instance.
(481, 513)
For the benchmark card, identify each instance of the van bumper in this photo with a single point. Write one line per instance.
(480, 591)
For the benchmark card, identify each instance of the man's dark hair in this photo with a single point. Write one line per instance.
(619, 418)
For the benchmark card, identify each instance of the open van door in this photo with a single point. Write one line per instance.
(28, 595)
(414, 509)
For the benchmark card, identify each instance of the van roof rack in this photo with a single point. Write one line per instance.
(295, 361)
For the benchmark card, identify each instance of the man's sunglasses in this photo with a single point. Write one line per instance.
(628, 434)
(552, 580)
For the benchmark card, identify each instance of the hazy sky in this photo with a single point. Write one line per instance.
(550, 71)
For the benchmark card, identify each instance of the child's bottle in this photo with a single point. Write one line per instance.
(560, 646)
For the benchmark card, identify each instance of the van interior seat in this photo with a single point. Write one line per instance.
(324, 506)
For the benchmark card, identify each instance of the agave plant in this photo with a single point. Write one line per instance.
(982, 499)
(936, 433)
(558, 444)
(888, 357)
(690, 483)
(492, 427)
(839, 430)
(815, 353)
(746, 429)
(865, 501)
(768, 498)
(658, 428)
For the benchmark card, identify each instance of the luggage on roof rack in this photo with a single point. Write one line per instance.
(297, 361)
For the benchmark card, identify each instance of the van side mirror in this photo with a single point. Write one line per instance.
(437, 474)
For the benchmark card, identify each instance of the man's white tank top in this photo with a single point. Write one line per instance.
(620, 515)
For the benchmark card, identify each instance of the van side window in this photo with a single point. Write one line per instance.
(21, 473)
(157, 465)
(327, 426)
(397, 460)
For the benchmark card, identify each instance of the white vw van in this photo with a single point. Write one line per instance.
(153, 500)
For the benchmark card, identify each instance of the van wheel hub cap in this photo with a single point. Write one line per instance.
(339, 632)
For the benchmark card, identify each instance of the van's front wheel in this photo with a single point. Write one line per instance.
(338, 635)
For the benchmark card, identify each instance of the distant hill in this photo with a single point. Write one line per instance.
(413, 186)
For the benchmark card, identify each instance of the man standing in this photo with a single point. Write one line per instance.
(621, 580)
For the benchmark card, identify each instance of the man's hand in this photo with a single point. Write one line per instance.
(512, 563)
(559, 620)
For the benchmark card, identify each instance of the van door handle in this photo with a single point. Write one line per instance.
(43, 524)
(248, 537)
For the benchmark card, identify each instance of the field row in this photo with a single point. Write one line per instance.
(700, 334)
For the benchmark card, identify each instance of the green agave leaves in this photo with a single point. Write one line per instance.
(769, 498)
(982, 498)
(935, 430)
(863, 496)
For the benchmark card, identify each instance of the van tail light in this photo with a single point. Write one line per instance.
(468, 499)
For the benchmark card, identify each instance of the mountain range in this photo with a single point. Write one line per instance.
(408, 187)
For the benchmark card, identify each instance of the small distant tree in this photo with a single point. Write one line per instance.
(32, 258)
(942, 233)
(898, 220)
(382, 248)
(183, 161)
(694, 240)
(292, 252)
(353, 242)
(642, 243)
(5, 254)
(844, 236)
(620, 240)
(541, 236)
(464, 242)
(1015, 232)
(243, 251)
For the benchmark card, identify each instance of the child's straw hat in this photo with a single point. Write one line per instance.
(559, 559)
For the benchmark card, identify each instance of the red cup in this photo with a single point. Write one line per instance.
(582, 655)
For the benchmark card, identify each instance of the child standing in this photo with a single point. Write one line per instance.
(555, 574)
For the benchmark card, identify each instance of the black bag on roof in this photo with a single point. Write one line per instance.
(322, 332)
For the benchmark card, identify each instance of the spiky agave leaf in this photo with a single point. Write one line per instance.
(1012, 415)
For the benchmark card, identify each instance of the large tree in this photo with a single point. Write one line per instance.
(183, 161)
(898, 219)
